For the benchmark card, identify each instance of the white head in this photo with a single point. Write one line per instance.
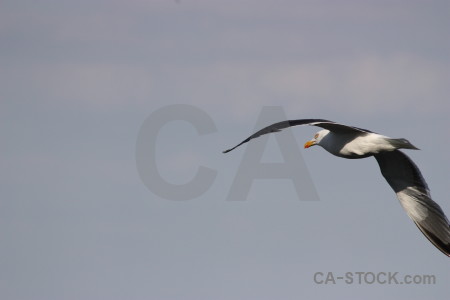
(317, 138)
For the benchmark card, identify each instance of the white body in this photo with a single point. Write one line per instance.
(349, 146)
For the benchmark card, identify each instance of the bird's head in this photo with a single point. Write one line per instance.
(317, 138)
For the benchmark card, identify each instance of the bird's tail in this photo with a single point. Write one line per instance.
(402, 144)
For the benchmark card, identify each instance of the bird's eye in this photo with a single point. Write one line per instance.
(316, 136)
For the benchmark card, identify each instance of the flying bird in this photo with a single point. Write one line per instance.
(397, 168)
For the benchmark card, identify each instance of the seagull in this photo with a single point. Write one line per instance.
(397, 168)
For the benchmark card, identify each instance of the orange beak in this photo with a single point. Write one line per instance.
(309, 144)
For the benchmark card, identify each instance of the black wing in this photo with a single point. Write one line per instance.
(406, 180)
(330, 125)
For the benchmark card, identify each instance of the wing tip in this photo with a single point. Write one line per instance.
(231, 149)
(437, 242)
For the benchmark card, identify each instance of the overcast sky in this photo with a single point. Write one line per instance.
(80, 79)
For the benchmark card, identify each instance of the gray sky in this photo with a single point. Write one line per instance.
(79, 78)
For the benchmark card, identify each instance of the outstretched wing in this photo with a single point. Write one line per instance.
(406, 180)
(330, 125)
